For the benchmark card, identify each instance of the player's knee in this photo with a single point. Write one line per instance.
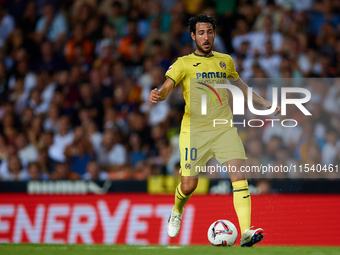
(188, 188)
(237, 176)
(237, 179)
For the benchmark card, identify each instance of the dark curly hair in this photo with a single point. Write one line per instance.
(202, 18)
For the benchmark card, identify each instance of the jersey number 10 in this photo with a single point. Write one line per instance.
(193, 154)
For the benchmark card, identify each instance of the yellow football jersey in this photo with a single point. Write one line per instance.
(198, 75)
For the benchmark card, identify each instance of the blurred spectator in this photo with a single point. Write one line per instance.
(141, 171)
(136, 154)
(63, 172)
(158, 138)
(99, 90)
(8, 128)
(93, 172)
(255, 152)
(332, 100)
(35, 173)
(19, 97)
(70, 90)
(45, 140)
(270, 62)
(95, 136)
(137, 123)
(3, 148)
(29, 78)
(240, 34)
(112, 153)
(20, 48)
(48, 87)
(109, 35)
(291, 135)
(35, 102)
(272, 10)
(267, 34)
(51, 121)
(3, 80)
(79, 152)
(35, 129)
(110, 119)
(331, 149)
(263, 186)
(14, 170)
(145, 79)
(90, 102)
(323, 13)
(26, 118)
(106, 51)
(52, 25)
(273, 146)
(83, 11)
(29, 19)
(49, 60)
(157, 112)
(116, 18)
(78, 41)
(26, 151)
(7, 24)
(131, 45)
(46, 163)
(308, 62)
(61, 139)
(178, 36)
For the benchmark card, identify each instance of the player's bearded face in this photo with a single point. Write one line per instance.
(204, 37)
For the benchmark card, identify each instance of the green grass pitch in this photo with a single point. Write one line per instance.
(59, 249)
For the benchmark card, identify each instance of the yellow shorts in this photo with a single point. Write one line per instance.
(198, 147)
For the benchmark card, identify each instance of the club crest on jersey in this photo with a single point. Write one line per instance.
(223, 65)
(187, 166)
(169, 69)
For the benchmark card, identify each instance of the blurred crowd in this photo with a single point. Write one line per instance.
(75, 78)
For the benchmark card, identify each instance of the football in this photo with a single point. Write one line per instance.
(222, 233)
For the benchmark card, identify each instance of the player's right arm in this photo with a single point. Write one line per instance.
(174, 75)
(160, 95)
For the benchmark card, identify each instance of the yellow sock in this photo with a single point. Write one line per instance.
(180, 199)
(242, 204)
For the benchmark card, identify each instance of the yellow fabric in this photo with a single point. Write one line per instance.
(242, 204)
(191, 69)
(198, 147)
(180, 199)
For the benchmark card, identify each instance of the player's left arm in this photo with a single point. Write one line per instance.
(256, 98)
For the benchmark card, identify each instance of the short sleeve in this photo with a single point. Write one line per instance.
(176, 71)
(232, 74)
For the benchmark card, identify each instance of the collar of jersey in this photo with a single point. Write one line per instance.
(203, 56)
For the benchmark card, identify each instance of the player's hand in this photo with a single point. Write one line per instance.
(277, 110)
(154, 96)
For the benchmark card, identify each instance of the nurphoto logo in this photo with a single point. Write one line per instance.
(238, 104)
